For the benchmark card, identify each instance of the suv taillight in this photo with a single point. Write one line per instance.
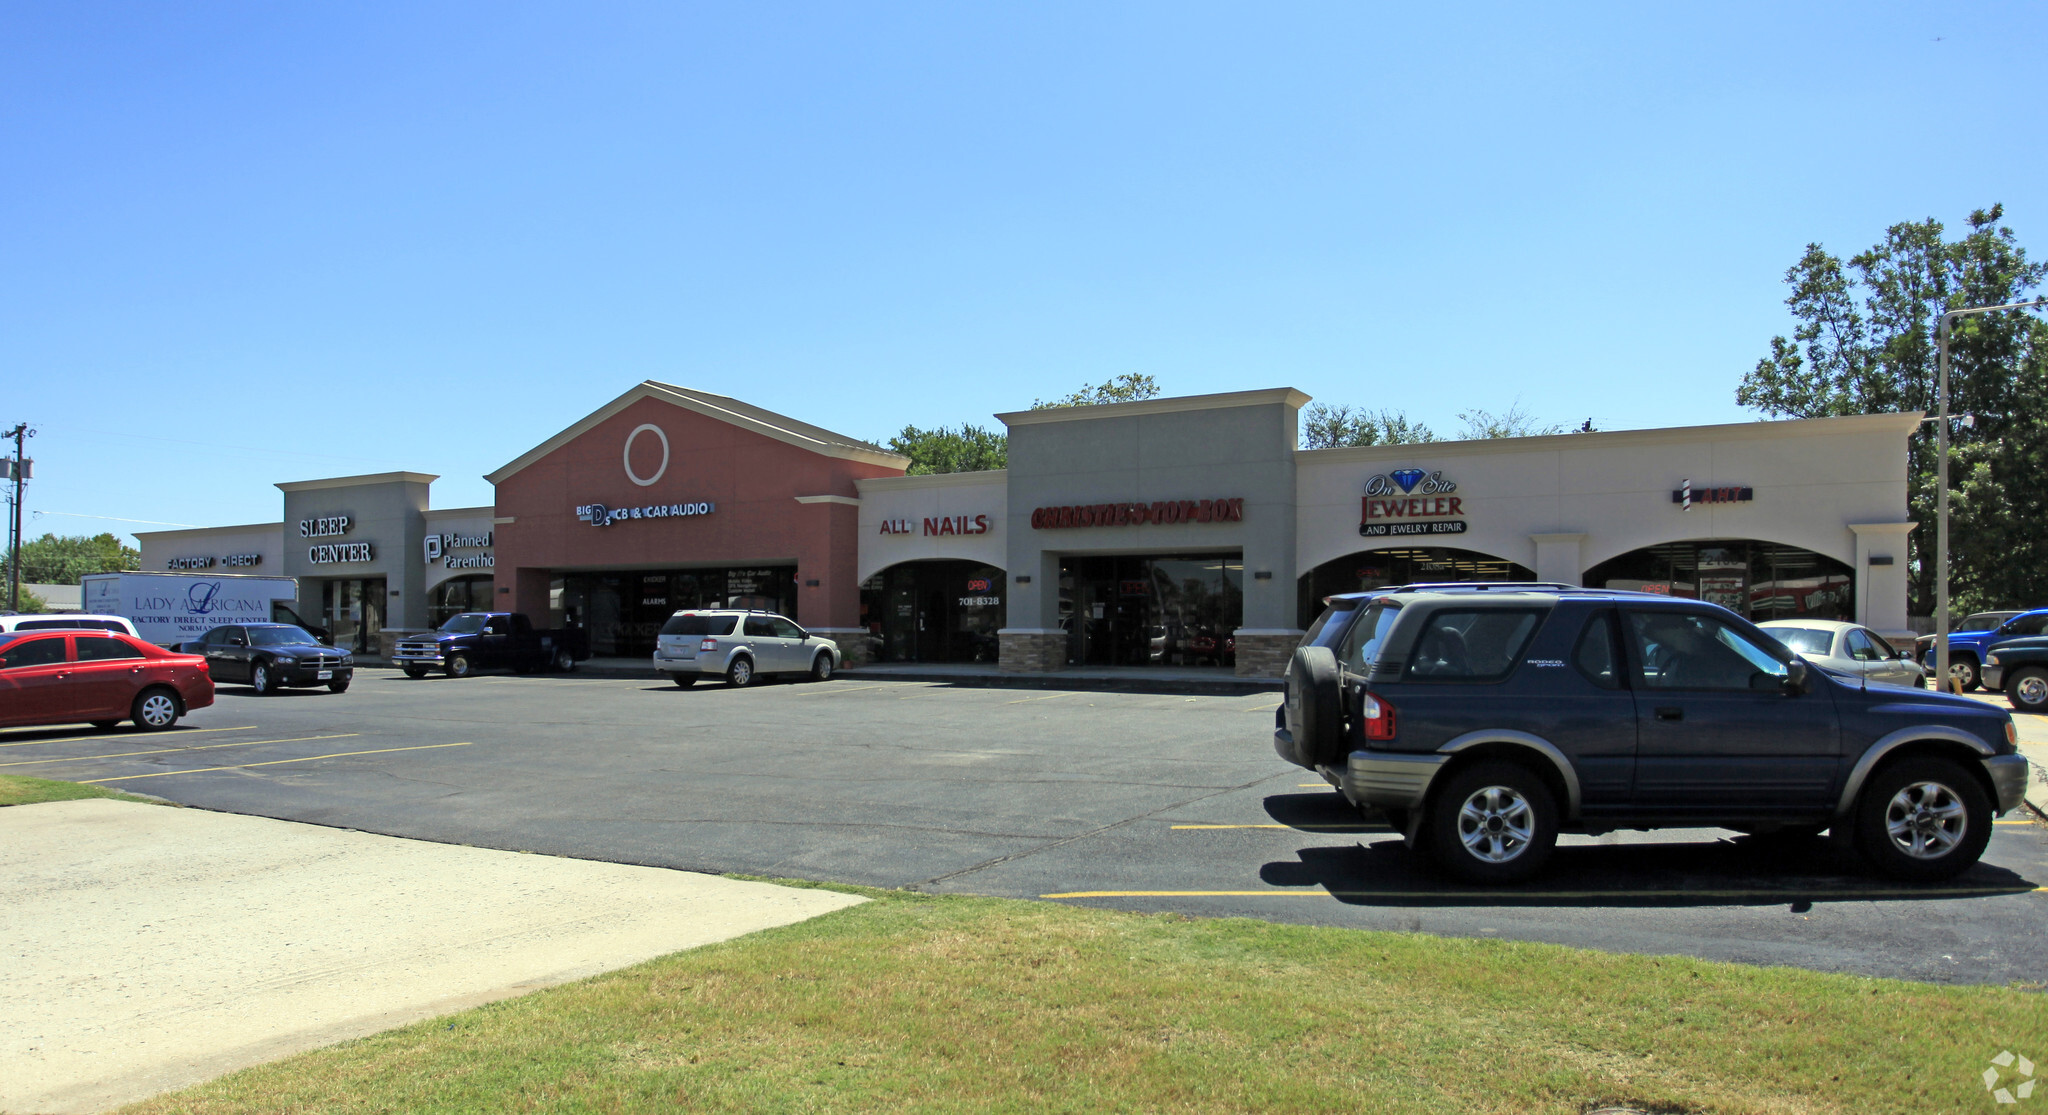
(1378, 716)
(708, 644)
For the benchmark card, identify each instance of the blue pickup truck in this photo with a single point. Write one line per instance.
(476, 641)
(1972, 639)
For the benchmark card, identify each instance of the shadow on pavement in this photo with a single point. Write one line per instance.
(1739, 871)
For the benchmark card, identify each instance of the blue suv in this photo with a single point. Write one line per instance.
(1485, 720)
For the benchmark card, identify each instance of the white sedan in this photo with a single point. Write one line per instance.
(1848, 648)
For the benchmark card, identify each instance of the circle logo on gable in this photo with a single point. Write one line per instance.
(627, 456)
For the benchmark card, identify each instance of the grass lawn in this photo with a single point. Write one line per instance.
(912, 1002)
(15, 790)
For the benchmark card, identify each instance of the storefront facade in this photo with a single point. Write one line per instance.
(1168, 532)
(669, 498)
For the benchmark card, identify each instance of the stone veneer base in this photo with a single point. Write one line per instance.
(1265, 655)
(1029, 652)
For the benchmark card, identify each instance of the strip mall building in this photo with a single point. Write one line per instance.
(1182, 531)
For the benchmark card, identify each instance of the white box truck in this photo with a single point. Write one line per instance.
(172, 608)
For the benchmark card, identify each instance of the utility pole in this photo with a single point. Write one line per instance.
(17, 471)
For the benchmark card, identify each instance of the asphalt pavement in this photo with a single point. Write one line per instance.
(1132, 800)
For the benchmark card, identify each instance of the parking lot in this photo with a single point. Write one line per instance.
(1138, 801)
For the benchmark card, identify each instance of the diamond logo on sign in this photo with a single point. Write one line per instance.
(1392, 506)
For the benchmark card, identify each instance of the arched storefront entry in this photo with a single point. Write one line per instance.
(1371, 569)
(933, 611)
(1760, 580)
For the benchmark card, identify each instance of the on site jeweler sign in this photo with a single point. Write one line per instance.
(1410, 501)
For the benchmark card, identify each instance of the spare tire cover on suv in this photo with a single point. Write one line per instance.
(1313, 710)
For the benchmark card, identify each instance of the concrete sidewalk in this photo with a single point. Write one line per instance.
(145, 948)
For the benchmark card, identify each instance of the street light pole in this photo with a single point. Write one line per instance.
(1941, 488)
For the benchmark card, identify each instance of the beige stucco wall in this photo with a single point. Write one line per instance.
(160, 547)
(1525, 499)
(465, 523)
(913, 499)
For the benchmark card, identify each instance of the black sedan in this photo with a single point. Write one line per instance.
(271, 656)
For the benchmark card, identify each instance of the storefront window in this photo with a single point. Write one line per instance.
(457, 595)
(624, 611)
(933, 611)
(1363, 572)
(1168, 610)
(1760, 580)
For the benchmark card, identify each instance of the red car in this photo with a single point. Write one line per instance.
(103, 678)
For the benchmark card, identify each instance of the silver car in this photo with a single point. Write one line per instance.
(740, 646)
(1848, 648)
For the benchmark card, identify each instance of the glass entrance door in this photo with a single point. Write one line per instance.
(353, 611)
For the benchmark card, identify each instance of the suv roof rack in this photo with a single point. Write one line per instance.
(1479, 586)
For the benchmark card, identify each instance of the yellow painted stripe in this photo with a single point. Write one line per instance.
(276, 762)
(1507, 896)
(834, 692)
(1313, 786)
(103, 735)
(167, 750)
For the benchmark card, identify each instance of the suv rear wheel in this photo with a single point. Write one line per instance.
(1923, 819)
(1493, 823)
(740, 673)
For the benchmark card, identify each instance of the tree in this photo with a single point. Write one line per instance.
(30, 602)
(943, 449)
(1331, 427)
(51, 560)
(1126, 388)
(1866, 343)
(1512, 422)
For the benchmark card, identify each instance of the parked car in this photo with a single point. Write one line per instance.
(2020, 667)
(66, 621)
(272, 656)
(740, 647)
(1849, 648)
(1485, 720)
(476, 641)
(97, 677)
(1971, 639)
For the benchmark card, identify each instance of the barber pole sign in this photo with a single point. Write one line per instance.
(1685, 497)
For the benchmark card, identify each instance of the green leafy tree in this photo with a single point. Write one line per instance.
(1515, 421)
(30, 602)
(1126, 388)
(944, 449)
(1332, 427)
(51, 560)
(1866, 343)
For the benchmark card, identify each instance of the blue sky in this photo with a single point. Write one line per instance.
(247, 243)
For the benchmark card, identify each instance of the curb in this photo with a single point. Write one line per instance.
(1220, 687)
